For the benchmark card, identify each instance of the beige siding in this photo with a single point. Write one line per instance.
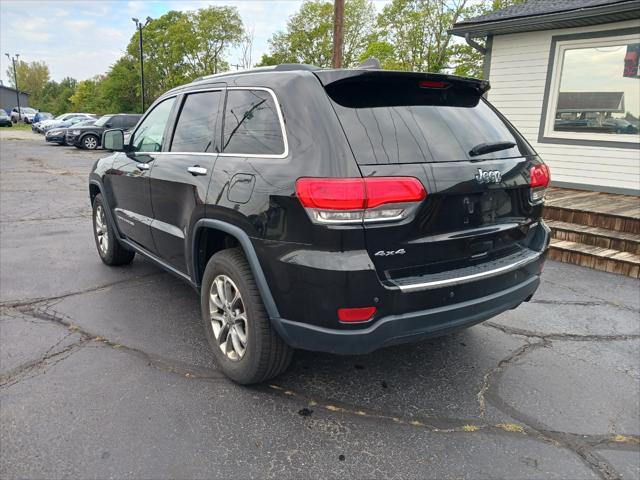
(518, 74)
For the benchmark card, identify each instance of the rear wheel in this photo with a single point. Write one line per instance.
(247, 348)
(109, 248)
(90, 142)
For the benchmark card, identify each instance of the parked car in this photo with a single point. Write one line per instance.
(59, 134)
(390, 207)
(620, 125)
(26, 114)
(90, 137)
(61, 119)
(40, 117)
(5, 119)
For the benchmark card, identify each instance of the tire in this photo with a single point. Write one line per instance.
(109, 248)
(90, 142)
(265, 354)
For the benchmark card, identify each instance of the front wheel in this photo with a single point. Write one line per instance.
(246, 347)
(90, 142)
(109, 248)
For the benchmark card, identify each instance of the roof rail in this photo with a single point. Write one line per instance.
(283, 67)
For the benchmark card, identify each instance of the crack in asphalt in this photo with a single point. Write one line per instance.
(583, 446)
(603, 301)
(41, 300)
(49, 314)
(569, 337)
(499, 368)
(44, 219)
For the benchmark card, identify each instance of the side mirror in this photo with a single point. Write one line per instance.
(108, 125)
(113, 140)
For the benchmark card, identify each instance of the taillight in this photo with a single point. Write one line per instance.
(354, 200)
(433, 84)
(539, 178)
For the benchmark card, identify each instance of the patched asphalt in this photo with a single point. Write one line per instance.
(105, 372)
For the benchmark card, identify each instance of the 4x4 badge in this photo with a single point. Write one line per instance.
(490, 176)
(388, 253)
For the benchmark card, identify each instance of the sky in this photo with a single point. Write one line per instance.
(81, 39)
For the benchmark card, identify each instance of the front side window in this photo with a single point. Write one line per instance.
(251, 124)
(596, 90)
(197, 123)
(149, 137)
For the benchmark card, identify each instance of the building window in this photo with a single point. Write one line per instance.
(593, 91)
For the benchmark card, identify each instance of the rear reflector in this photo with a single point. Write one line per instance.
(352, 315)
(353, 200)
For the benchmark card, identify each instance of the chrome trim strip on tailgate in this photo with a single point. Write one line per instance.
(449, 282)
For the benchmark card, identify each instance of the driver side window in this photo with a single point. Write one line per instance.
(150, 135)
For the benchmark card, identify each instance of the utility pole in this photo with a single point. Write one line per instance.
(140, 26)
(15, 81)
(338, 33)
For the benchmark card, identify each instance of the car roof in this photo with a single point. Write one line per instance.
(268, 75)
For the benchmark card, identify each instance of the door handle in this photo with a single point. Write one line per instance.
(197, 170)
(143, 166)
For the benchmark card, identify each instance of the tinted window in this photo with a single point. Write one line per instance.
(102, 121)
(400, 122)
(251, 124)
(196, 126)
(149, 136)
(129, 121)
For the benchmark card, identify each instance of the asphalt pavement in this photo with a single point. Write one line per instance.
(106, 373)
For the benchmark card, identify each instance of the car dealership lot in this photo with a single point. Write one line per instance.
(105, 372)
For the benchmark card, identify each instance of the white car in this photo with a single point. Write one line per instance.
(43, 127)
(26, 114)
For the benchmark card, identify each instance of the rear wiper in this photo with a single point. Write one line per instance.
(483, 148)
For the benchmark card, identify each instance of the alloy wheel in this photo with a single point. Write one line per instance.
(228, 317)
(90, 143)
(102, 234)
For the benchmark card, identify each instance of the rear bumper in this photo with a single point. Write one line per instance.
(407, 327)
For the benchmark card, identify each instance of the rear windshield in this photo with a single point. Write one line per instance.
(398, 121)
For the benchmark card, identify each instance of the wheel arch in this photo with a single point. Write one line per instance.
(224, 231)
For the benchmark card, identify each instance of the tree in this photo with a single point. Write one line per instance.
(466, 60)
(88, 96)
(117, 87)
(32, 78)
(417, 30)
(214, 30)
(181, 46)
(308, 37)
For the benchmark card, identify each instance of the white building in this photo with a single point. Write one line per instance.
(565, 73)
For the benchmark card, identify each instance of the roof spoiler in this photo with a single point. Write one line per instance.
(328, 77)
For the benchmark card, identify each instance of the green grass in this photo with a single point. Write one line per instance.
(20, 126)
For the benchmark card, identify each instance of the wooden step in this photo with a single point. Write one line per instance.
(598, 237)
(599, 258)
(601, 210)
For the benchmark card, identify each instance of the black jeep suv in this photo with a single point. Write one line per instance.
(90, 137)
(329, 210)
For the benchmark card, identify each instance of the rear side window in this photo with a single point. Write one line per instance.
(131, 121)
(196, 126)
(398, 121)
(251, 124)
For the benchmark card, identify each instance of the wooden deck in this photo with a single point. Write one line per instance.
(594, 202)
(596, 230)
